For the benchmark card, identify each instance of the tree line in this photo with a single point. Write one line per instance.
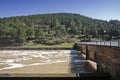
(55, 28)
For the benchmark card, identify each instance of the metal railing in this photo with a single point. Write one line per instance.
(104, 43)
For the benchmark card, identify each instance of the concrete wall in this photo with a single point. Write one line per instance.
(107, 58)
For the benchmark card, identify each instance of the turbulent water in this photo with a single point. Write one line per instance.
(19, 58)
(13, 59)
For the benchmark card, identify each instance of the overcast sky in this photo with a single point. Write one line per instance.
(99, 9)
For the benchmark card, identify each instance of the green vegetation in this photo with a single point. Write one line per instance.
(55, 29)
(63, 45)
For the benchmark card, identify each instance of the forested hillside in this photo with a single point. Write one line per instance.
(56, 28)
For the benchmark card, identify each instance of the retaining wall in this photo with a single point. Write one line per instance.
(107, 58)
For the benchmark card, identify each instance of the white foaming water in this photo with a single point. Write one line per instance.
(12, 57)
(16, 65)
(22, 59)
(13, 65)
(7, 61)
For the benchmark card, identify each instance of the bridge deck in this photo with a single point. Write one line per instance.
(103, 43)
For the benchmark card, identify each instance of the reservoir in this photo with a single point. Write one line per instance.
(43, 62)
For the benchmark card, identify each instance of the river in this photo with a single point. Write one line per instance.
(42, 62)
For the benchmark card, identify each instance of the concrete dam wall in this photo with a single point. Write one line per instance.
(107, 58)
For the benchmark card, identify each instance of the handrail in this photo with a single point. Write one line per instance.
(104, 43)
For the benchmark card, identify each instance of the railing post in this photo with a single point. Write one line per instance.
(104, 43)
(118, 43)
(110, 43)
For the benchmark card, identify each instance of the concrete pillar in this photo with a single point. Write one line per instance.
(96, 60)
(87, 53)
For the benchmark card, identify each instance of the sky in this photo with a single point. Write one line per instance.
(97, 9)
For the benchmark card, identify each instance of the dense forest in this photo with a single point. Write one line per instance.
(57, 28)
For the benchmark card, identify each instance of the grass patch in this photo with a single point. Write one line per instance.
(64, 45)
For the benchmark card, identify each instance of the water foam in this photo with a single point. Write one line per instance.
(23, 55)
(13, 65)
